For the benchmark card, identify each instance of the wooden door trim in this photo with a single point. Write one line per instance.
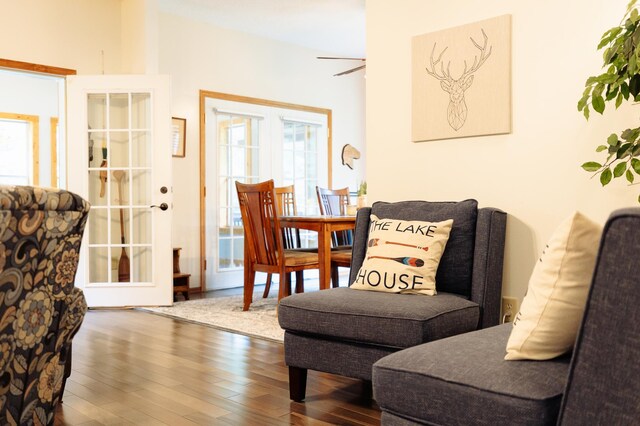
(53, 136)
(34, 122)
(204, 94)
(37, 68)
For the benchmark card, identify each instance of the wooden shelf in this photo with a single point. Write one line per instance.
(180, 280)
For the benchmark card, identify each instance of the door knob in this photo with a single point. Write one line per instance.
(162, 206)
(164, 190)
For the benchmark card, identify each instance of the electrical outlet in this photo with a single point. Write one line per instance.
(509, 309)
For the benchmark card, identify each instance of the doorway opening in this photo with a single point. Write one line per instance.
(32, 124)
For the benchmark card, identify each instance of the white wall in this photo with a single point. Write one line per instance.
(533, 173)
(203, 57)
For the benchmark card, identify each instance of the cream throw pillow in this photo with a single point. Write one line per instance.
(402, 256)
(552, 309)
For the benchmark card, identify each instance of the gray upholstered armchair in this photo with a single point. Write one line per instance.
(344, 331)
(40, 309)
(465, 379)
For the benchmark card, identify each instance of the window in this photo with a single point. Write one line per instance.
(19, 163)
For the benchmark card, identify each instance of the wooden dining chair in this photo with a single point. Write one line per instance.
(334, 202)
(264, 243)
(286, 205)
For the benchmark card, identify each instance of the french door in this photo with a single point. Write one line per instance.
(249, 143)
(119, 159)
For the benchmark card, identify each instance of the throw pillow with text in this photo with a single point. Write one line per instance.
(403, 256)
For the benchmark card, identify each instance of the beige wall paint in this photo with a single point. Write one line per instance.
(63, 33)
(140, 36)
(203, 57)
(533, 173)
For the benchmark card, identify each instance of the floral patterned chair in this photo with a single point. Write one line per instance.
(40, 309)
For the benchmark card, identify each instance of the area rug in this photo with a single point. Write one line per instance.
(225, 313)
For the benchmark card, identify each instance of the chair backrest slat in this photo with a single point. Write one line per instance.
(334, 202)
(261, 224)
(286, 205)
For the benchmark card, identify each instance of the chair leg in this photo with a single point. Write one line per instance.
(367, 389)
(299, 281)
(67, 372)
(267, 287)
(334, 277)
(287, 283)
(297, 383)
(249, 277)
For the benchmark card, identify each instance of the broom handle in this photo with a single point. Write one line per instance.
(122, 240)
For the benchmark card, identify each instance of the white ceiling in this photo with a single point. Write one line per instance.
(336, 27)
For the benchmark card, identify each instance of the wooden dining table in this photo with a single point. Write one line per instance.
(324, 226)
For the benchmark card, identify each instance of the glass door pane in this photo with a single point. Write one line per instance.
(119, 174)
(300, 168)
(238, 155)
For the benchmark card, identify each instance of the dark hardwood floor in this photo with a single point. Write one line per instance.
(133, 367)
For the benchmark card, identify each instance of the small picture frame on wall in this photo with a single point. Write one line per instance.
(178, 134)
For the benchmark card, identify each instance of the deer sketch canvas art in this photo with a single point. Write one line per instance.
(462, 81)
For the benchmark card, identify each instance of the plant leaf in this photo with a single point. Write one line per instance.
(619, 99)
(626, 134)
(598, 103)
(585, 111)
(635, 163)
(604, 42)
(601, 148)
(591, 166)
(624, 89)
(623, 150)
(619, 170)
(597, 91)
(612, 139)
(634, 85)
(609, 55)
(630, 176)
(583, 102)
(605, 176)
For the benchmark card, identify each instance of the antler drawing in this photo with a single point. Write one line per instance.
(457, 109)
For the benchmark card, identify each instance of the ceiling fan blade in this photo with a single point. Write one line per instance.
(350, 71)
(336, 57)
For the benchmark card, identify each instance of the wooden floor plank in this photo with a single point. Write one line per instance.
(133, 367)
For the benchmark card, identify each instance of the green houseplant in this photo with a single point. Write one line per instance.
(620, 82)
(362, 194)
(362, 189)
